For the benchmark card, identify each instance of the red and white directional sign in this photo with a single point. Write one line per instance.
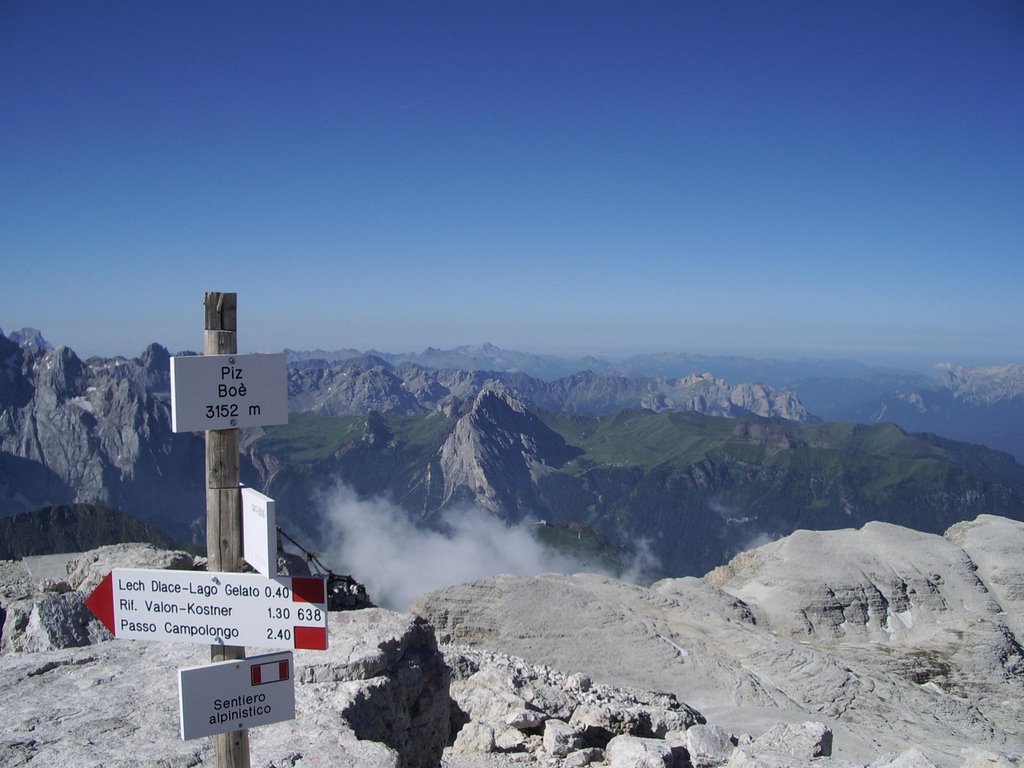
(232, 695)
(205, 607)
(228, 391)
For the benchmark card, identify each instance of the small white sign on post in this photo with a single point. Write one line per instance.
(228, 391)
(259, 532)
(234, 695)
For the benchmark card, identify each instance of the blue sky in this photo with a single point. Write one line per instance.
(774, 178)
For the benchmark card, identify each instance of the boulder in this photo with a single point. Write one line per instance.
(85, 572)
(487, 697)
(54, 620)
(625, 714)
(505, 691)
(475, 737)
(583, 757)
(510, 739)
(47, 614)
(560, 738)
(707, 745)
(801, 740)
(634, 752)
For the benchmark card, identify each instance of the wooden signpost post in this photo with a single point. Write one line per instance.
(224, 502)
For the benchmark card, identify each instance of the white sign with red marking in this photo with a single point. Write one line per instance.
(209, 608)
(232, 695)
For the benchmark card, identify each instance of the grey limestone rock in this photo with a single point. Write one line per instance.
(560, 738)
(388, 682)
(512, 739)
(911, 758)
(485, 697)
(707, 745)
(803, 740)
(976, 757)
(889, 637)
(600, 721)
(475, 737)
(54, 620)
(89, 569)
(114, 704)
(583, 757)
(625, 751)
(47, 614)
(506, 691)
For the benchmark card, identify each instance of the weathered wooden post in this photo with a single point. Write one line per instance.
(224, 502)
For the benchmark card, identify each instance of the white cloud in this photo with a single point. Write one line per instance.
(377, 543)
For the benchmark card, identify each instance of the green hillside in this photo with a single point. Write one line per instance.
(696, 488)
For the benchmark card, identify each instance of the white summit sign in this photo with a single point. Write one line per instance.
(228, 391)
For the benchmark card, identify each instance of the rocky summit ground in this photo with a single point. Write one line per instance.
(878, 647)
(891, 637)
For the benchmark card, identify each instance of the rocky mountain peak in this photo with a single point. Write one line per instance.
(30, 339)
(986, 384)
(62, 372)
(376, 430)
(14, 391)
(155, 359)
(154, 371)
(495, 394)
(496, 450)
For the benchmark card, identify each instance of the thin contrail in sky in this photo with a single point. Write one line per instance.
(414, 103)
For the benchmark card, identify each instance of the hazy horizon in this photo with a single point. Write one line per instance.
(917, 361)
(784, 179)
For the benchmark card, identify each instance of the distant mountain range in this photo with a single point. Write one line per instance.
(372, 384)
(697, 489)
(696, 465)
(97, 432)
(981, 404)
(487, 357)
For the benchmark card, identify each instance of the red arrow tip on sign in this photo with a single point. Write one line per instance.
(101, 602)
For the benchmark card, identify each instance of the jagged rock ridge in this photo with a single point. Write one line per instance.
(361, 385)
(95, 432)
